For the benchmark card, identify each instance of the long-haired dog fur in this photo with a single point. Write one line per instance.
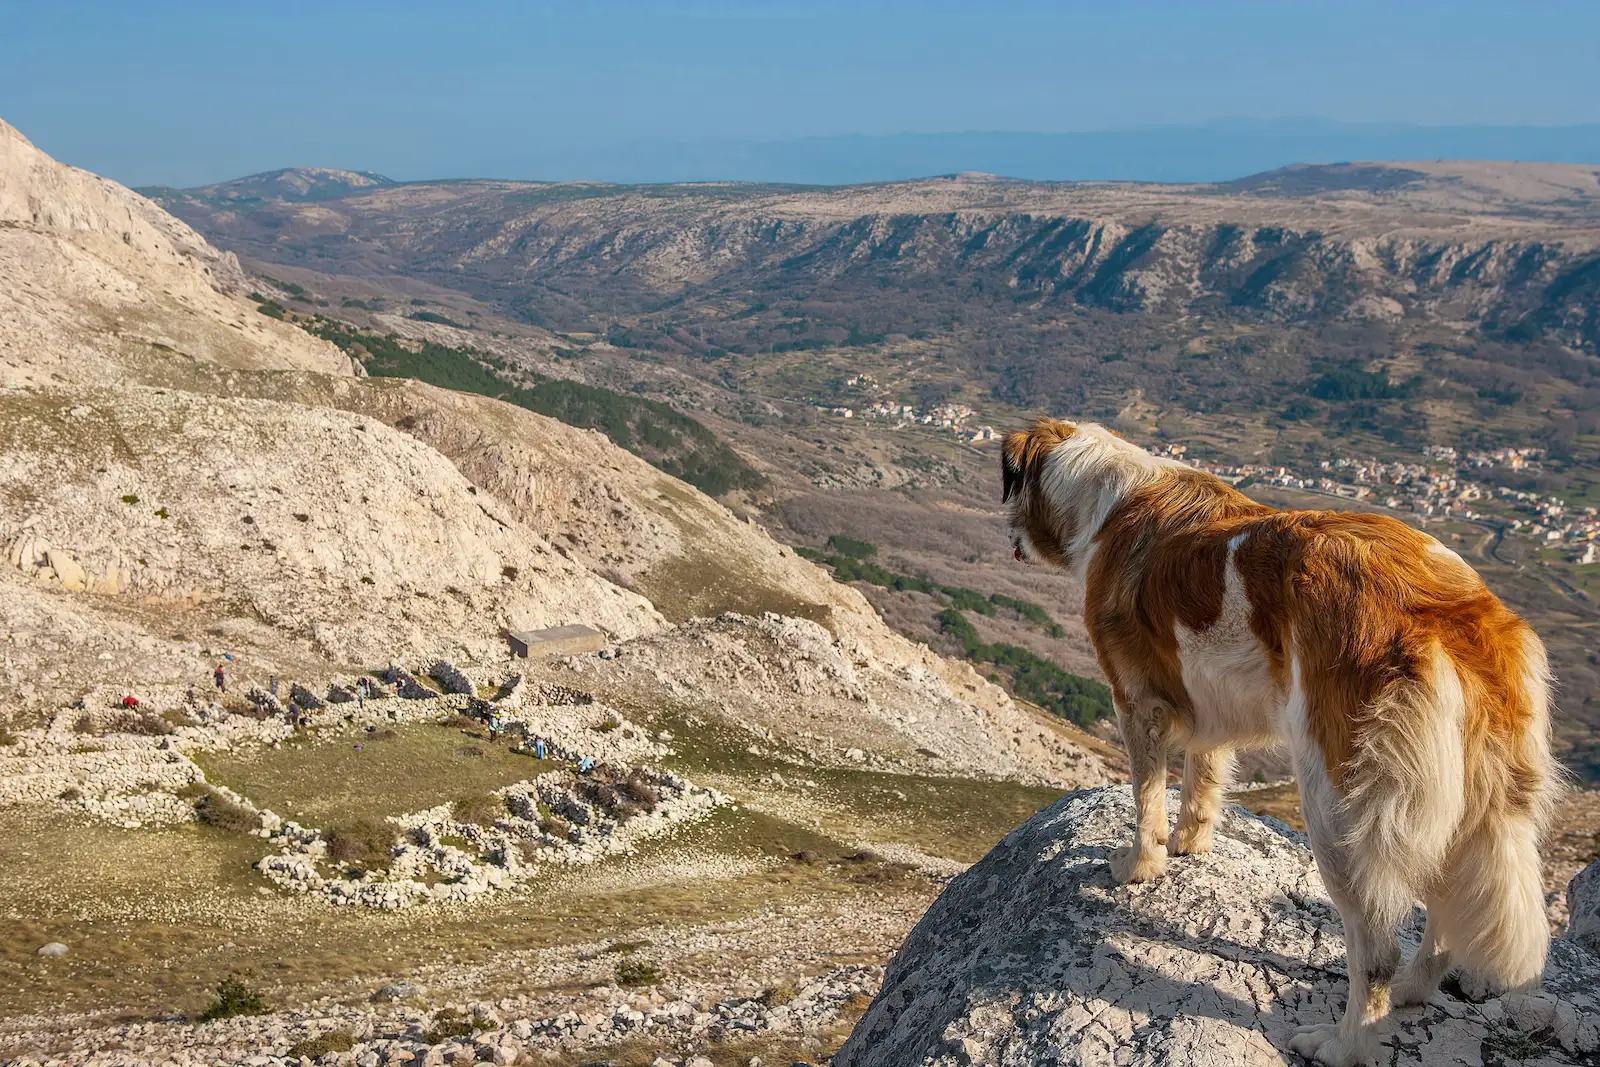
(1414, 703)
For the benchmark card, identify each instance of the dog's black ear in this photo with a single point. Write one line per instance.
(1012, 464)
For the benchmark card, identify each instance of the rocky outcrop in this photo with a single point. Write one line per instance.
(1035, 956)
(1583, 908)
(99, 284)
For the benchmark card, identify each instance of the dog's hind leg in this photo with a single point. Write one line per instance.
(1421, 977)
(1145, 731)
(1205, 778)
(1372, 951)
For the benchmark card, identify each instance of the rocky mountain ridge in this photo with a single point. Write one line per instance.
(1501, 247)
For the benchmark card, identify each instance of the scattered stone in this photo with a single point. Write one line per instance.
(398, 991)
(54, 948)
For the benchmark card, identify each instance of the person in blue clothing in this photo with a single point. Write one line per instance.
(538, 746)
(585, 765)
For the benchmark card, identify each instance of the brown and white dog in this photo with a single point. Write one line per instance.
(1414, 703)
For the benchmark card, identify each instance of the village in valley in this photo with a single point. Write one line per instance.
(1441, 487)
(1444, 484)
(954, 418)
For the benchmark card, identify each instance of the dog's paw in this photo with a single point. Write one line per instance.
(1324, 1044)
(1133, 864)
(1190, 840)
(1411, 986)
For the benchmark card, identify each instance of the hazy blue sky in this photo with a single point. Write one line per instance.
(183, 93)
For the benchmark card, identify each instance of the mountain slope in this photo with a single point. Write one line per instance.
(168, 500)
(97, 284)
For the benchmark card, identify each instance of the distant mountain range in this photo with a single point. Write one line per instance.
(1214, 152)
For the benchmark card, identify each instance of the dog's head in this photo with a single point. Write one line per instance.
(1040, 526)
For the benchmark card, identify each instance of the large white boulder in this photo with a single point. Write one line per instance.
(1034, 956)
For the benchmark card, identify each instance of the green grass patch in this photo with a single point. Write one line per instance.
(842, 545)
(321, 782)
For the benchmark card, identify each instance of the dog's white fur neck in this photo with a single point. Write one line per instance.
(1088, 475)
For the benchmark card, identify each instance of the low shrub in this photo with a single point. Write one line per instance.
(233, 998)
(176, 717)
(447, 1024)
(632, 973)
(147, 724)
(322, 1045)
(224, 813)
(625, 948)
(640, 790)
(778, 995)
(364, 841)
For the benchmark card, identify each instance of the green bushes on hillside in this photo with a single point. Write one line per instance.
(1078, 699)
(1081, 700)
(434, 316)
(842, 545)
(656, 432)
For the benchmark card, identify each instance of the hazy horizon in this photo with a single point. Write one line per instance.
(170, 93)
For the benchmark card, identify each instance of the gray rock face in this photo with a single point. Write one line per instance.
(1583, 907)
(1034, 956)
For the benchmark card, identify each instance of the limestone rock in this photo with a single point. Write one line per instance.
(1034, 956)
(1583, 907)
(68, 570)
(54, 948)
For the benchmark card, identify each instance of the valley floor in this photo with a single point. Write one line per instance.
(760, 930)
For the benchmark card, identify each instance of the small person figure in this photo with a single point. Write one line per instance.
(538, 746)
(130, 701)
(495, 724)
(294, 715)
(586, 764)
(272, 684)
(221, 679)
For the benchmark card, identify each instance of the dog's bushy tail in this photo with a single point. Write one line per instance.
(1447, 800)
(1489, 901)
(1405, 789)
